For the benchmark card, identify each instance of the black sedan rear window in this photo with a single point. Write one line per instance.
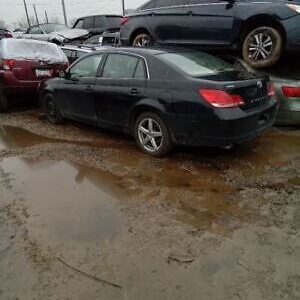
(196, 64)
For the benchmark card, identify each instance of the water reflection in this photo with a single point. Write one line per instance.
(68, 202)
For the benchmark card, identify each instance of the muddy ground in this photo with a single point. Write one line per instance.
(85, 215)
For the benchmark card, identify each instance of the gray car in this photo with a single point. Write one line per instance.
(55, 33)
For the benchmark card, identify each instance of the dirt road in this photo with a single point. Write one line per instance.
(85, 215)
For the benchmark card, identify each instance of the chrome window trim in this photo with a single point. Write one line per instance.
(136, 55)
(182, 6)
(202, 4)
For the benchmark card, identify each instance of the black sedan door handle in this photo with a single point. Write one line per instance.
(135, 91)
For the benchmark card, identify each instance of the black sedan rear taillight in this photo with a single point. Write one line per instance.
(221, 99)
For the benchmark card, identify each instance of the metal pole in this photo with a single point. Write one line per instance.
(36, 16)
(46, 17)
(26, 11)
(123, 7)
(64, 11)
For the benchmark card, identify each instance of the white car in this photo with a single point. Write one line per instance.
(55, 33)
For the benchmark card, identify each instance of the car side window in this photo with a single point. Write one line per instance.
(88, 23)
(140, 70)
(87, 67)
(99, 22)
(68, 52)
(120, 66)
(167, 3)
(79, 24)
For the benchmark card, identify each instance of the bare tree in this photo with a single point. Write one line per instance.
(23, 24)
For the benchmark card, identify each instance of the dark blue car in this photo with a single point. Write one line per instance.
(261, 30)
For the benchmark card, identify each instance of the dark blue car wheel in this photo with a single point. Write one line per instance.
(262, 47)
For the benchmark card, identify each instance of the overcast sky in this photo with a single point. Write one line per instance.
(13, 10)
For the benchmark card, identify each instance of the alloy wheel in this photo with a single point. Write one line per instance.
(260, 45)
(150, 135)
(142, 40)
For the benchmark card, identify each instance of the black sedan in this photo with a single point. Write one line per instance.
(163, 98)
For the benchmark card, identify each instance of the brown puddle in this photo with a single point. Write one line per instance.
(67, 203)
(78, 202)
(14, 137)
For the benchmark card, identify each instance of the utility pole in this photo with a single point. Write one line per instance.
(64, 11)
(123, 7)
(46, 17)
(36, 16)
(26, 11)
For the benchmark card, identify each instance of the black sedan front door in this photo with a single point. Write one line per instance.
(121, 85)
(77, 92)
(209, 23)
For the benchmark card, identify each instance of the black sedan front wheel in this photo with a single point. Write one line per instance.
(262, 47)
(3, 102)
(152, 135)
(52, 110)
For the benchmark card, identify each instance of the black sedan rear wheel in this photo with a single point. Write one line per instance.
(262, 47)
(142, 40)
(3, 102)
(52, 110)
(152, 135)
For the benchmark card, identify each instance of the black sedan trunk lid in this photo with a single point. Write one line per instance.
(252, 88)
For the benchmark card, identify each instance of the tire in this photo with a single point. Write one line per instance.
(3, 102)
(156, 142)
(262, 47)
(142, 40)
(52, 110)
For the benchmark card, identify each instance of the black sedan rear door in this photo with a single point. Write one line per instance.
(209, 22)
(121, 85)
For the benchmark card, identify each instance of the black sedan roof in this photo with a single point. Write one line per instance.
(144, 51)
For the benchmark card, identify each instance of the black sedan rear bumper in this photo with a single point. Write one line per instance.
(228, 127)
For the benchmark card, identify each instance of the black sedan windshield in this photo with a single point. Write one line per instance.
(196, 64)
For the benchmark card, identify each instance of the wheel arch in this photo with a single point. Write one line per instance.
(137, 32)
(262, 19)
(42, 95)
(147, 105)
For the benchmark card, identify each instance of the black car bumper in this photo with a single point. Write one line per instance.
(228, 127)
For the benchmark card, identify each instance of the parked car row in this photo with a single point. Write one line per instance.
(165, 96)
(55, 33)
(260, 30)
